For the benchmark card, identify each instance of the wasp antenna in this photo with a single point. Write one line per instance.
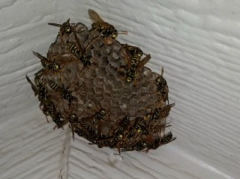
(123, 32)
(54, 24)
(28, 79)
(39, 55)
(162, 71)
(73, 136)
(47, 119)
(91, 11)
(43, 59)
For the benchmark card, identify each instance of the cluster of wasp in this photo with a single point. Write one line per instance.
(42, 89)
(128, 135)
(59, 97)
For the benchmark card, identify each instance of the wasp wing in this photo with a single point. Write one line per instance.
(94, 16)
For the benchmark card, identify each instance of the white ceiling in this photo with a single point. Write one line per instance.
(197, 43)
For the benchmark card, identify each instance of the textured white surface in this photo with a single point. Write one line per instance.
(198, 44)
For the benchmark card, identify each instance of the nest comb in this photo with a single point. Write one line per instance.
(101, 88)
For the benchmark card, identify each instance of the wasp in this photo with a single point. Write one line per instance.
(46, 63)
(53, 85)
(86, 59)
(73, 119)
(140, 146)
(34, 87)
(163, 112)
(39, 90)
(136, 131)
(141, 129)
(118, 142)
(75, 50)
(152, 142)
(38, 80)
(140, 126)
(100, 115)
(79, 131)
(87, 129)
(155, 142)
(121, 134)
(131, 74)
(123, 127)
(133, 57)
(91, 134)
(98, 122)
(57, 118)
(168, 138)
(106, 30)
(49, 109)
(67, 95)
(133, 53)
(54, 66)
(80, 54)
(162, 86)
(42, 93)
(104, 141)
(46, 105)
(125, 122)
(66, 29)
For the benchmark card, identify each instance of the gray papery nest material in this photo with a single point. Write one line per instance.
(102, 89)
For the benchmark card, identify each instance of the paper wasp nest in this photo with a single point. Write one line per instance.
(101, 89)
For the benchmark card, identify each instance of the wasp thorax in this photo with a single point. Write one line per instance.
(73, 118)
(67, 29)
(102, 112)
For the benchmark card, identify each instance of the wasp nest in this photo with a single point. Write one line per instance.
(101, 88)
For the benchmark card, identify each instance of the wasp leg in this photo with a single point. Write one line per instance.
(72, 127)
(35, 89)
(143, 62)
(80, 47)
(47, 119)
